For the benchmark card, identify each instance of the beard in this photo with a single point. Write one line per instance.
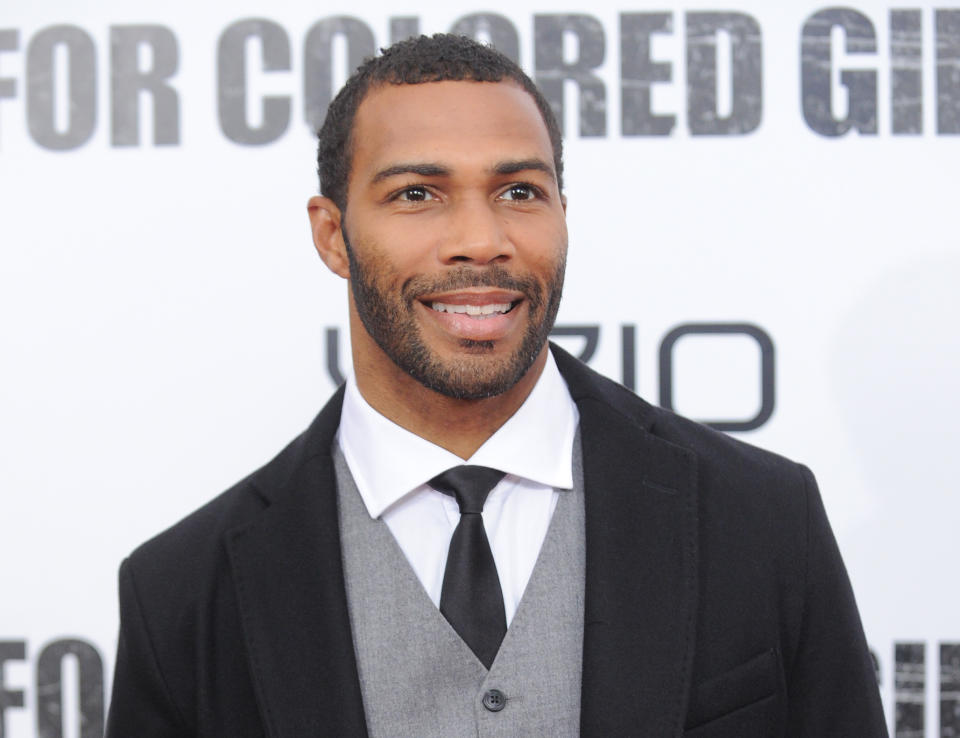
(390, 320)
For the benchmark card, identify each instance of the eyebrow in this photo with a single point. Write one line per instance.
(523, 165)
(512, 166)
(424, 170)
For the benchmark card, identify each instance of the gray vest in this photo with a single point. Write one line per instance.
(419, 679)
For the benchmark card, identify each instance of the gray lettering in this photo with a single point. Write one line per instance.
(816, 68)
(552, 70)
(909, 683)
(50, 689)
(404, 27)
(9, 651)
(9, 41)
(950, 689)
(589, 333)
(947, 23)
(333, 356)
(638, 73)
(81, 91)
(127, 81)
(496, 29)
(767, 374)
(232, 81)
(628, 359)
(906, 73)
(318, 82)
(747, 74)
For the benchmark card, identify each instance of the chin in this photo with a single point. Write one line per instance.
(476, 376)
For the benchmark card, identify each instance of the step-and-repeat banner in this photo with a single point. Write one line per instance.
(763, 205)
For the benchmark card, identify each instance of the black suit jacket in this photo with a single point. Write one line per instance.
(716, 600)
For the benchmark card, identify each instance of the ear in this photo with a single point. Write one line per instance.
(327, 238)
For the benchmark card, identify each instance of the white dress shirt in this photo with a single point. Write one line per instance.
(391, 466)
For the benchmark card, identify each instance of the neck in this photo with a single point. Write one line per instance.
(460, 426)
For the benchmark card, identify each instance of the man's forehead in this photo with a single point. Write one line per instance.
(450, 120)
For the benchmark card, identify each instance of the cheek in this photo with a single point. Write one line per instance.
(544, 248)
(403, 248)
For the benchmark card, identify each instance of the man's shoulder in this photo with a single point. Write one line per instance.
(749, 504)
(587, 385)
(199, 537)
(733, 472)
(718, 456)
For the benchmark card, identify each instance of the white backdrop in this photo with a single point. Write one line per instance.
(164, 320)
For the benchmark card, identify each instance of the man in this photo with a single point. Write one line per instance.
(657, 578)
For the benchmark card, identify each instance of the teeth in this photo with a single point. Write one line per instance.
(480, 310)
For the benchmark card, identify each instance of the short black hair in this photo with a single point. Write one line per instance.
(436, 58)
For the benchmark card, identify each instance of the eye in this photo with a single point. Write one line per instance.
(520, 192)
(414, 194)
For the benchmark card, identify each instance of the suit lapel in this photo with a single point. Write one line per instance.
(641, 556)
(288, 575)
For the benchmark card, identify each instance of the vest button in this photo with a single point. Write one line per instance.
(494, 700)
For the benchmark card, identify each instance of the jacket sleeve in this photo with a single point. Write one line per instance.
(141, 705)
(831, 683)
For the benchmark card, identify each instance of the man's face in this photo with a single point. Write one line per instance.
(455, 232)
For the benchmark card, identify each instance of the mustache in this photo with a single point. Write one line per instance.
(463, 277)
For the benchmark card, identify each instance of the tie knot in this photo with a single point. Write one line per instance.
(470, 485)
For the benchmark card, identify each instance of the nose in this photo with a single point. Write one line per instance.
(476, 234)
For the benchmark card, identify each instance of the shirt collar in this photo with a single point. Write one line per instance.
(388, 462)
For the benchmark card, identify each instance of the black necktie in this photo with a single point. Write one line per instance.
(471, 599)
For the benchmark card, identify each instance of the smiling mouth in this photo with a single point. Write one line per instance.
(475, 311)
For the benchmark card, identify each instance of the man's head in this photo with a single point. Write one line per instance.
(452, 227)
(418, 60)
